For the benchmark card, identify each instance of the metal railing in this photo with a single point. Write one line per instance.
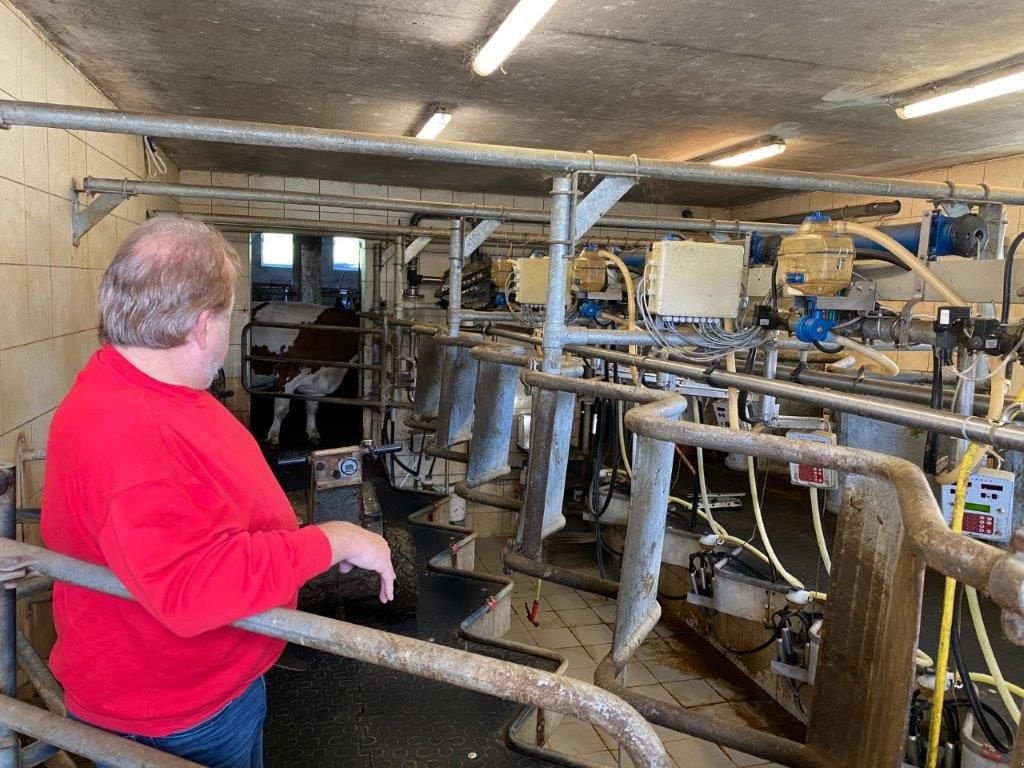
(248, 358)
(493, 677)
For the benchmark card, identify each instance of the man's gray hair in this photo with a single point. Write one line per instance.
(165, 273)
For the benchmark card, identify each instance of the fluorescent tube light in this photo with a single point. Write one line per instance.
(437, 123)
(753, 154)
(970, 94)
(513, 29)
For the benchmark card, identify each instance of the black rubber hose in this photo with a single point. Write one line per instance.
(1008, 277)
(980, 716)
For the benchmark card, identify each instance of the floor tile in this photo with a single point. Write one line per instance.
(594, 635)
(664, 673)
(577, 657)
(693, 693)
(598, 652)
(637, 674)
(579, 617)
(577, 738)
(584, 673)
(562, 601)
(743, 760)
(694, 752)
(555, 638)
(606, 612)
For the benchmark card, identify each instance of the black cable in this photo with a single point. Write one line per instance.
(740, 651)
(822, 348)
(1008, 277)
(931, 450)
(972, 694)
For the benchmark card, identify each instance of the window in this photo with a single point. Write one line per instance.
(348, 253)
(276, 250)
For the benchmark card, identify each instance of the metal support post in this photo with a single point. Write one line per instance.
(9, 746)
(551, 425)
(456, 253)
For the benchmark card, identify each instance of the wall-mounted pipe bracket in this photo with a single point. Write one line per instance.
(84, 219)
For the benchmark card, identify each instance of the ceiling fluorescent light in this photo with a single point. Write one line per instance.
(750, 154)
(513, 29)
(970, 94)
(437, 123)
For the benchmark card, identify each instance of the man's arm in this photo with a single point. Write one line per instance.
(193, 568)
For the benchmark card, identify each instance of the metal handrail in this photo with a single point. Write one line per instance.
(247, 357)
(493, 677)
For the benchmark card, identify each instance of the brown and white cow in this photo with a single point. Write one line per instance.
(301, 344)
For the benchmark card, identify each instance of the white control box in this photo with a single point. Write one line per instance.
(988, 513)
(810, 476)
(688, 280)
(530, 281)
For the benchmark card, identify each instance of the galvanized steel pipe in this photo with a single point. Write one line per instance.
(81, 739)
(131, 188)
(482, 674)
(193, 128)
(9, 747)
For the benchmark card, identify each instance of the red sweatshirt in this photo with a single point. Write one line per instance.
(164, 486)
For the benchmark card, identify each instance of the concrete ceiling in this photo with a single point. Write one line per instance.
(660, 78)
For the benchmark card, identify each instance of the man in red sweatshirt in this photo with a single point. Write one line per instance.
(149, 475)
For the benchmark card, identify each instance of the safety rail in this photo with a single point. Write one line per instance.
(485, 675)
(247, 358)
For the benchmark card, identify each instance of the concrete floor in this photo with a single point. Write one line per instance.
(672, 666)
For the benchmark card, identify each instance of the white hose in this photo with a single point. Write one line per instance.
(990, 657)
(841, 365)
(734, 423)
(913, 263)
(819, 532)
(891, 369)
(700, 473)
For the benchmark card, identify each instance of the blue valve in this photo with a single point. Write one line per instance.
(814, 326)
(590, 309)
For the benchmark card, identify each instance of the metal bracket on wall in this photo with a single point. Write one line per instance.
(412, 250)
(84, 219)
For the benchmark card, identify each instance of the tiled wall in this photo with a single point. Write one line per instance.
(47, 286)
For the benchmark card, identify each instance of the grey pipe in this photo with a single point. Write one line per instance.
(493, 677)
(9, 747)
(907, 414)
(192, 128)
(560, 250)
(81, 739)
(130, 188)
(866, 210)
(39, 675)
(455, 259)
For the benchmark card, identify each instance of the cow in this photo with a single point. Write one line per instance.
(301, 344)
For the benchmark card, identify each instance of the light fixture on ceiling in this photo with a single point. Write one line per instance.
(747, 153)
(513, 29)
(968, 94)
(435, 124)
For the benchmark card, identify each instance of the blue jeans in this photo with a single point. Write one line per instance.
(232, 738)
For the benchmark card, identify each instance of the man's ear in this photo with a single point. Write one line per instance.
(202, 330)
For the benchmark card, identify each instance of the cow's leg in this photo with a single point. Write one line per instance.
(311, 434)
(281, 406)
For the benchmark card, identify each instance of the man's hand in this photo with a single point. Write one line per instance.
(355, 547)
(15, 570)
